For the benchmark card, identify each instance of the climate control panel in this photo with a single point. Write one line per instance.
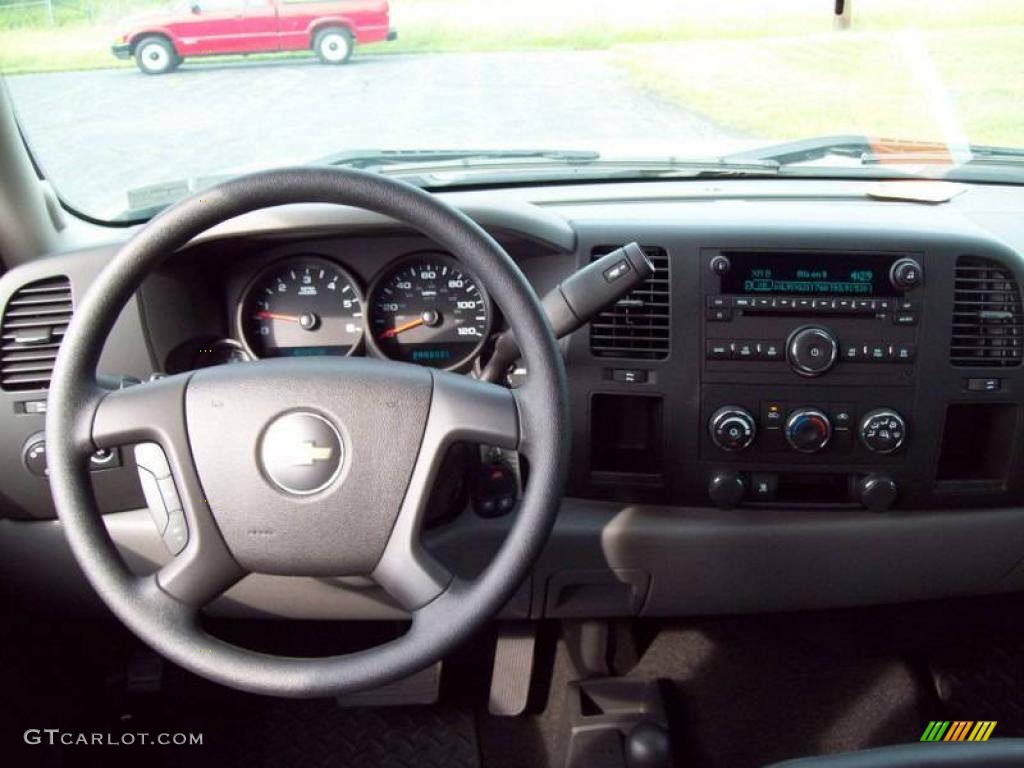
(790, 424)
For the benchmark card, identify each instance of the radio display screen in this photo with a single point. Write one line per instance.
(810, 274)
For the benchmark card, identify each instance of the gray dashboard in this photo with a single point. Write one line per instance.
(638, 534)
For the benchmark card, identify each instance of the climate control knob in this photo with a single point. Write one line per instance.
(882, 430)
(732, 428)
(812, 350)
(808, 430)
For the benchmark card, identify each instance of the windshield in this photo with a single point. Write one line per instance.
(129, 105)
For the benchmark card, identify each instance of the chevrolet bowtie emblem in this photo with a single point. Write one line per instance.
(307, 453)
(301, 452)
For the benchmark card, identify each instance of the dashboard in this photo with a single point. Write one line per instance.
(815, 400)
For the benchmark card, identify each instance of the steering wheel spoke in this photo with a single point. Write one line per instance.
(151, 416)
(461, 409)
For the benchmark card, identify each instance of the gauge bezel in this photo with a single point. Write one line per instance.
(282, 263)
(389, 271)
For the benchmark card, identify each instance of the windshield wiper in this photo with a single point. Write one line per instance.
(448, 168)
(375, 159)
(872, 151)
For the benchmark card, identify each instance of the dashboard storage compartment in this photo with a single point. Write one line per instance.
(626, 438)
(978, 443)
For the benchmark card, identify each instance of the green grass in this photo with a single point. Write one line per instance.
(861, 82)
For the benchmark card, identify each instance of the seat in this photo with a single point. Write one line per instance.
(998, 753)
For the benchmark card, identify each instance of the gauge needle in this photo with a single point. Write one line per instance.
(263, 315)
(391, 332)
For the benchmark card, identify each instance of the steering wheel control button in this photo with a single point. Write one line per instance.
(176, 534)
(301, 453)
(150, 456)
(812, 350)
(732, 428)
(808, 430)
(161, 495)
(882, 430)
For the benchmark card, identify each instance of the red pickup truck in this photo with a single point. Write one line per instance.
(160, 42)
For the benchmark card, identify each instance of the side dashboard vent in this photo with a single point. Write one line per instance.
(987, 316)
(638, 325)
(33, 325)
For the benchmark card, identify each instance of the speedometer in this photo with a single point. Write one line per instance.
(428, 310)
(304, 306)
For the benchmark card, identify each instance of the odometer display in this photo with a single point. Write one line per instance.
(303, 307)
(429, 310)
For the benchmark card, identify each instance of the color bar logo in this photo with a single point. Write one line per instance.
(958, 730)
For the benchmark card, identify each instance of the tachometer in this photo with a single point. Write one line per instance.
(429, 310)
(304, 306)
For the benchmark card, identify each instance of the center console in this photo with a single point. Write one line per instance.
(808, 374)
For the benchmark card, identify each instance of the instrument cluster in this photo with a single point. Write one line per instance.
(424, 308)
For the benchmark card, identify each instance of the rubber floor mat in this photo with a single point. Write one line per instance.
(320, 734)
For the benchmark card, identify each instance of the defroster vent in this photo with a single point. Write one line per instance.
(987, 318)
(33, 325)
(638, 325)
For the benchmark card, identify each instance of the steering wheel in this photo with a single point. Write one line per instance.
(369, 434)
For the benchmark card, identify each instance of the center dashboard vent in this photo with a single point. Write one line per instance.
(987, 316)
(33, 324)
(637, 326)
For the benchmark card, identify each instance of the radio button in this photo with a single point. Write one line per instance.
(763, 303)
(784, 302)
(905, 353)
(878, 353)
(823, 304)
(743, 302)
(811, 350)
(719, 350)
(851, 352)
(867, 305)
(720, 314)
(769, 350)
(904, 318)
(844, 305)
(743, 350)
(719, 301)
(804, 304)
(905, 274)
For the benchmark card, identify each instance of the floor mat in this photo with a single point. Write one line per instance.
(297, 733)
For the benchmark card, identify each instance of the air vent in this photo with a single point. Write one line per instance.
(637, 326)
(987, 318)
(33, 325)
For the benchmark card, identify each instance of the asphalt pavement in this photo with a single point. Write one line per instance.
(100, 133)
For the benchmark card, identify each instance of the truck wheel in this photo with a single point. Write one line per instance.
(333, 45)
(156, 55)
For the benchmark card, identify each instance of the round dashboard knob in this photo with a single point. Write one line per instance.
(812, 350)
(727, 489)
(906, 274)
(732, 428)
(882, 430)
(877, 492)
(808, 430)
